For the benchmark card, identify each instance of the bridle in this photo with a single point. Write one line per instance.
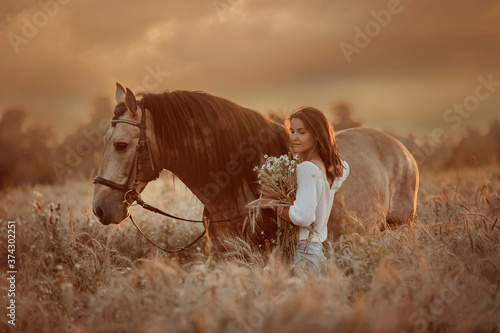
(130, 193)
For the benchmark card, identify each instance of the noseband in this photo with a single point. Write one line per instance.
(130, 193)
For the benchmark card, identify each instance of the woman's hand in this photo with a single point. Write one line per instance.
(268, 202)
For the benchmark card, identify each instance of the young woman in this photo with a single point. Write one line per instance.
(319, 175)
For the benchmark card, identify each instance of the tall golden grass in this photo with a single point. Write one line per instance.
(76, 275)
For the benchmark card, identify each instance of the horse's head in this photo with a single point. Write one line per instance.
(127, 163)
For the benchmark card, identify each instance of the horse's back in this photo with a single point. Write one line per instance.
(382, 184)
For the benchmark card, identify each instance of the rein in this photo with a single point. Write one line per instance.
(130, 193)
(153, 209)
(137, 198)
(185, 248)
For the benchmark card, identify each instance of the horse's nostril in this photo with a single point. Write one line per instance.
(99, 213)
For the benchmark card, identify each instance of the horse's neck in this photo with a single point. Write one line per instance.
(215, 194)
(213, 187)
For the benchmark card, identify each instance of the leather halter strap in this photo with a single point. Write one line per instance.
(137, 164)
(130, 122)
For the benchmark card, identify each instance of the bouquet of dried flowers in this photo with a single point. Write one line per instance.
(278, 180)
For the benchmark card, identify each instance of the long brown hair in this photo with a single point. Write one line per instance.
(315, 122)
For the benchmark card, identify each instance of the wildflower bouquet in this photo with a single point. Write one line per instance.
(278, 180)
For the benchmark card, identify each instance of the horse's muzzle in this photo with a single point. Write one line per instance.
(104, 218)
(100, 215)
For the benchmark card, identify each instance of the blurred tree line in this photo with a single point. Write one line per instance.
(25, 154)
(79, 154)
(471, 150)
(32, 155)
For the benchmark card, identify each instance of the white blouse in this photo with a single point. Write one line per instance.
(314, 199)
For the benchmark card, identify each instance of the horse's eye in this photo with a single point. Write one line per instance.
(121, 146)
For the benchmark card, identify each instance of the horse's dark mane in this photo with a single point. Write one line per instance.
(211, 132)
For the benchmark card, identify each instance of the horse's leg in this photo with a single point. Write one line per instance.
(338, 218)
(402, 210)
(403, 202)
(213, 233)
(222, 236)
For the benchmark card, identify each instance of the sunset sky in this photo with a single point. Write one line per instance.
(405, 66)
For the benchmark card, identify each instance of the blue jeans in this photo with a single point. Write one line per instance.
(308, 259)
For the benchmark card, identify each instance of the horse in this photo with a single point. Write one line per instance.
(212, 145)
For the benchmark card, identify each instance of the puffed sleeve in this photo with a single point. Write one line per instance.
(303, 210)
(337, 183)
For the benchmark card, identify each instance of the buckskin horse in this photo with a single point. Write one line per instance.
(212, 145)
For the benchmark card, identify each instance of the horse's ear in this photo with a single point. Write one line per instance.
(120, 93)
(130, 101)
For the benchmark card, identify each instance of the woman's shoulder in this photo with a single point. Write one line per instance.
(308, 169)
(308, 166)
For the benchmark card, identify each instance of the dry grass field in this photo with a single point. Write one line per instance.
(76, 275)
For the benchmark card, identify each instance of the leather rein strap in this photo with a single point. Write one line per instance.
(185, 248)
(153, 209)
(131, 192)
